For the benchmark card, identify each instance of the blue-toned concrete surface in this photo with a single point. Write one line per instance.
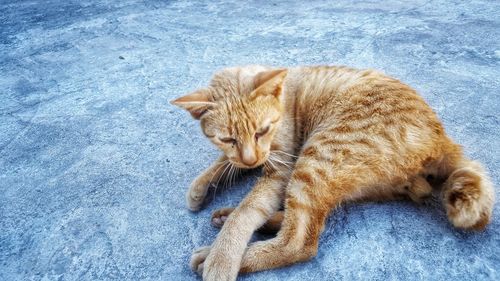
(94, 161)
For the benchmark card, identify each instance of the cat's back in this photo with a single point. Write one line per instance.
(351, 94)
(353, 104)
(345, 84)
(314, 81)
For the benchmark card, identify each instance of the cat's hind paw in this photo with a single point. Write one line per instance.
(220, 216)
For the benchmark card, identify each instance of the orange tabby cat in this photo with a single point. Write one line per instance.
(325, 136)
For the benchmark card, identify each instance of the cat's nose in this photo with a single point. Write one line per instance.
(248, 156)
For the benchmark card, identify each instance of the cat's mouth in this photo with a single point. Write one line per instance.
(244, 166)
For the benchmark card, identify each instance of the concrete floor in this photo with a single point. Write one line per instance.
(94, 162)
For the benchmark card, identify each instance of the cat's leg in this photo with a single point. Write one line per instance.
(320, 182)
(272, 225)
(419, 189)
(327, 173)
(416, 188)
(199, 187)
(222, 260)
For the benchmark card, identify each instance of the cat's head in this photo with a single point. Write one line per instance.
(239, 112)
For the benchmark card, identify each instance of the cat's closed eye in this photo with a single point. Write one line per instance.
(262, 132)
(228, 140)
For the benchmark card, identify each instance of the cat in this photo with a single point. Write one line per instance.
(324, 135)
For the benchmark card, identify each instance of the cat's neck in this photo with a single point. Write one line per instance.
(288, 137)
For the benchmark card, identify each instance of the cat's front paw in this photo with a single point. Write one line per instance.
(218, 265)
(198, 258)
(196, 194)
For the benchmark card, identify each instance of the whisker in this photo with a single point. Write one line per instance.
(228, 164)
(216, 171)
(236, 174)
(279, 171)
(276, 164)
(272, 163)
(226, 177)
(233, 176)
(229, 176)
(225, 166)
(283, 152)
(281, 162)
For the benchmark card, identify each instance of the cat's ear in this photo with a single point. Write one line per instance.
(264, 76)
(269, 83)
(197, 103)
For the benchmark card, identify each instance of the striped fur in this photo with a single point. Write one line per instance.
(325, 136)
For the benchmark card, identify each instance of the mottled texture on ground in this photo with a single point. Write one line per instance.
(94, 162)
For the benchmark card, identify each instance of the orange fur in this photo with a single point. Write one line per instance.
(325, 136)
